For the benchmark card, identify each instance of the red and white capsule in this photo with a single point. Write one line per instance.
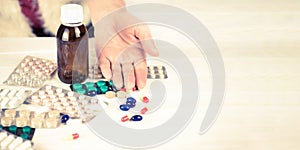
(72, 137)
(125, 118)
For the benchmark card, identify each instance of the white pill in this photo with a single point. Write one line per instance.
(15, 143)
(24, 146)
(48, 87)
(4, 102)
(41, 93)
(4, 92)
(7, 141)
(13, 102)
(61, 95)
(20, 93)
(59, 90)
(50, 92)
(3, 135)
(70, 94)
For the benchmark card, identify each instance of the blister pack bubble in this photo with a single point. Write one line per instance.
(9, 141)
(34, 119)
(12, 97)
(31, 72)
(67, 102)
(157, 72)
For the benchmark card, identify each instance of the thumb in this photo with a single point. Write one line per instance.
(144, 35)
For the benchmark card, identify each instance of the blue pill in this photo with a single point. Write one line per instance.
(91, 93)
(124, 107)
(136, 118)
(64, 119)
(131, 99)
(130, 104)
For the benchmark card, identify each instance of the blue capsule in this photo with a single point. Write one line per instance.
(124, 107)
(136, 118)
(92, 93)
(64, 119)
(131, 99)
(130, 104)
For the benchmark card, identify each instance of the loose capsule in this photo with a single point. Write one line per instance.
(125, 118)
(76, 86)
(100, 83)
(92, 91)
(121, 94)
(144, 99)
(72, 137)
(144, 110)
(104, 89)
(64, 119)
(130, 104)
(89, 84)
(131, 99)
(124, 107)
(136, 118)
(110, 94)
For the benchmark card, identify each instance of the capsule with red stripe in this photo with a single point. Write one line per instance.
(72, 137)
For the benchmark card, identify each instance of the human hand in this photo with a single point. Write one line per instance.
(122, 42)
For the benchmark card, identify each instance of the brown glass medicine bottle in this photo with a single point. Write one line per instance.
(72, 45)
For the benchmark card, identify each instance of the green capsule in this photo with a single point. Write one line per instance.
(13, 129)
(26, 130)
(103, 89)
(24, 136)
(100, 83)
(110, 83)
(92, 89)
(89, 84)
(77, 86)
(81, 91)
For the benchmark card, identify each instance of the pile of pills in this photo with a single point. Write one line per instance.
(154, 72)
(92, 89)
(157, 72)
(13, 142)
(22, 118)
(12, 98)
(130, 103)
(131, 118)
(31, 72)
(66, 102)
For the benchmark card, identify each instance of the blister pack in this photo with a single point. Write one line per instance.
(12, 97)
(154, 72)
(67, 102)
(34, 119)
(31, 72)
(9, 141)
